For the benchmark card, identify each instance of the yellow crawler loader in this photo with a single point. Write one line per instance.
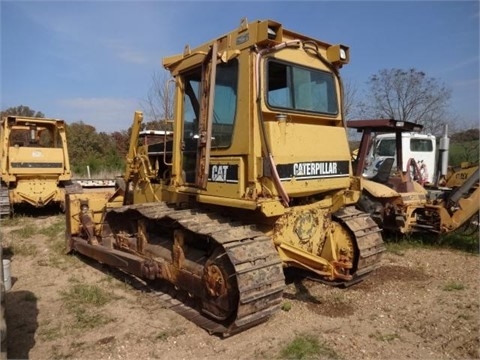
(34, 164)
(255, 177)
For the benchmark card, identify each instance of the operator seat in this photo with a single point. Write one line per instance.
(384, 171)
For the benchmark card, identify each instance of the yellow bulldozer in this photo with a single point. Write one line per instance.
(34, 164)
(256, 176)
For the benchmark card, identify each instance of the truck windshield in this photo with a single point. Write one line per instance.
(386, 147)
(295, 87)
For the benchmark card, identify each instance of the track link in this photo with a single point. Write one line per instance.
(5, 207)
(257, 267)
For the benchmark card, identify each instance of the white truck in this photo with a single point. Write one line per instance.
(421, 147)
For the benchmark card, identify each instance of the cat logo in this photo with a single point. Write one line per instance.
(219, 173)
(223, 173)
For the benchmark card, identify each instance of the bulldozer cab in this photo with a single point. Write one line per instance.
(252, 105)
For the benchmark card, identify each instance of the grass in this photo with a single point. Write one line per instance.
(12, 221)
(54, 229)
(305, 346)
(469, 243)
(26, 231)
(50, 333)
(166, 334)
(453, 286)
(84, 302)
(22, 249)
(384, 337)
(86, 319)
(29, 296)
(85, 294)
(286, 306)
(464, 242)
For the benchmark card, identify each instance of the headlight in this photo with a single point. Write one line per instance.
(338, 54)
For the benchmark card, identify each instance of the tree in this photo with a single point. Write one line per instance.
(21, 110)
(86, 147)
(409, 95)
(122, 141)
(349, 99)
(159, 103)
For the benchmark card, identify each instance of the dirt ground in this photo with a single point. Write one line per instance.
(420, 304)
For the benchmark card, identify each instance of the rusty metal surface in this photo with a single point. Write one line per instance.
(368, 238)
(242, 280)
(247, 260)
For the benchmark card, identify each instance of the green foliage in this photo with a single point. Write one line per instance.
(30, 297)
(461, 151)
(85, 294)
(21, 110)
(468, 242)
(25, 231)
(453, 286)
(166, 334)
(306, 346)
(98, 151)
(384, 337)
(460, 241)
(287, 306)
(19, 248)
(84, 301)
(467, 135)
(55, 228)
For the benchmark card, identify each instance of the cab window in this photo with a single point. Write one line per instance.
(421, 145)
(294, 87)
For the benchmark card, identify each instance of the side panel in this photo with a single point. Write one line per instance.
(304, 170)
(33, 160)
(226, 177)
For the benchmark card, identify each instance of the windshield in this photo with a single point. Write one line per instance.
(295, 87)
(386, 147)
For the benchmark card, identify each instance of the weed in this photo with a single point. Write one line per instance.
(464, 316)
(452, 286)
(22, 249)
(384, 337)
(29, 296)
(53, 230)
(50, 334)
(85, 294)
(286, 306)
(83, 301)
(26, 231)
(469, 243)
(306, 346)
(336, 298)
(165, 334)
(458, 241)
(12, 221)
(57, 354)
(89, 319)
(162, 336)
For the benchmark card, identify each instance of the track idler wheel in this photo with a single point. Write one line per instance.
(221, 292)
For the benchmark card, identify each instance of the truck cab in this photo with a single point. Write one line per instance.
(421, 147)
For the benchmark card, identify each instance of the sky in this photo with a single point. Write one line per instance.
(93, 61)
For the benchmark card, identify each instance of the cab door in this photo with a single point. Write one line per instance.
(199, 95)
